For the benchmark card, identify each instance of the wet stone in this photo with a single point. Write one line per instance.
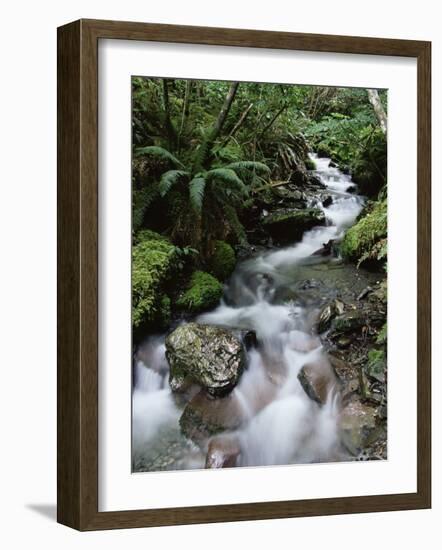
(204, 416)
(223, 452)
(318, 380)
(207, 355)
(357, 426)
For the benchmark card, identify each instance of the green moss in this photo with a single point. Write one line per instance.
(310, 164)
(367, 238)
(203, 293)
(382, 335)
(149, 235)
(301, 216)
(375, 366)
(152, 263)
(222, 261)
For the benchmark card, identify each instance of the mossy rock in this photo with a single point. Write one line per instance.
(349, 322)
(324, 150)
(204, 292)
(210, 356)
(367, 239)
(310, 164)
(223, 261)
(287, 225)
(152, 265)
(376, 365)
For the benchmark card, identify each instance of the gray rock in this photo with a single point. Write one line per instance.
(318, 379)
(328, 313)
(348, 376)
(209, 356)
(358, 426)
(348, 322)
(327, 200)
(204, 416)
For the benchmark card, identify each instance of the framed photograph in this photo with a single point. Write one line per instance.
(243, 275)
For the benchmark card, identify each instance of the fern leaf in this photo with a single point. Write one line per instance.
(228, 177)
(160, 153)
(243, 168)
(169, 179)
(141, 200)
(196, 192)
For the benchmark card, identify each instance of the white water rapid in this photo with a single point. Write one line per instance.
(275, 295)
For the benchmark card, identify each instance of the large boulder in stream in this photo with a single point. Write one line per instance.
(287, 225)
(209, 356)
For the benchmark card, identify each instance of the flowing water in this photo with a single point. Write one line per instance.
(278, 294)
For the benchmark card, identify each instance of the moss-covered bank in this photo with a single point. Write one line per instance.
(367, 239)
(223, 260)
(153, 259)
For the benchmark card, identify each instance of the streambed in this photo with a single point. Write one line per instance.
(269, 419)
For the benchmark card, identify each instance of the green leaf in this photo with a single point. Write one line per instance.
(247, 166)
(169, 179)
(228, 177)
(160, 153)
(196, 192)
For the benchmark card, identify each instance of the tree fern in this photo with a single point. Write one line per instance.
(202, 154)
(196, 192)
(169, 179)
(160, 153)
(228, 177)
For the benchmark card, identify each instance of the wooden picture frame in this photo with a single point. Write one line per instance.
(78, 274)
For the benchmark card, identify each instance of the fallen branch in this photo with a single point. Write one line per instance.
(271, 185)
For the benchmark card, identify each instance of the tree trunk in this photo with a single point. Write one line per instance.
(206, 147)
(238, 124)
(375, 100)
(224, 111)
(186, 110)
(171, 134)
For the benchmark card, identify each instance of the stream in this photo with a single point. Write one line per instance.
(278, 294)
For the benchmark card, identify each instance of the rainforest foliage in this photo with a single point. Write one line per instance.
(207, 155)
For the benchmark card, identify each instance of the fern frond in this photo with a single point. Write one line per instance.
(141, 200)
(169, 179)
(243, 168)
(228, 177)
(202, 154)
(160, 153)
(196, 192)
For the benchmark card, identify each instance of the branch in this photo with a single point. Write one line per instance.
(237, 125)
